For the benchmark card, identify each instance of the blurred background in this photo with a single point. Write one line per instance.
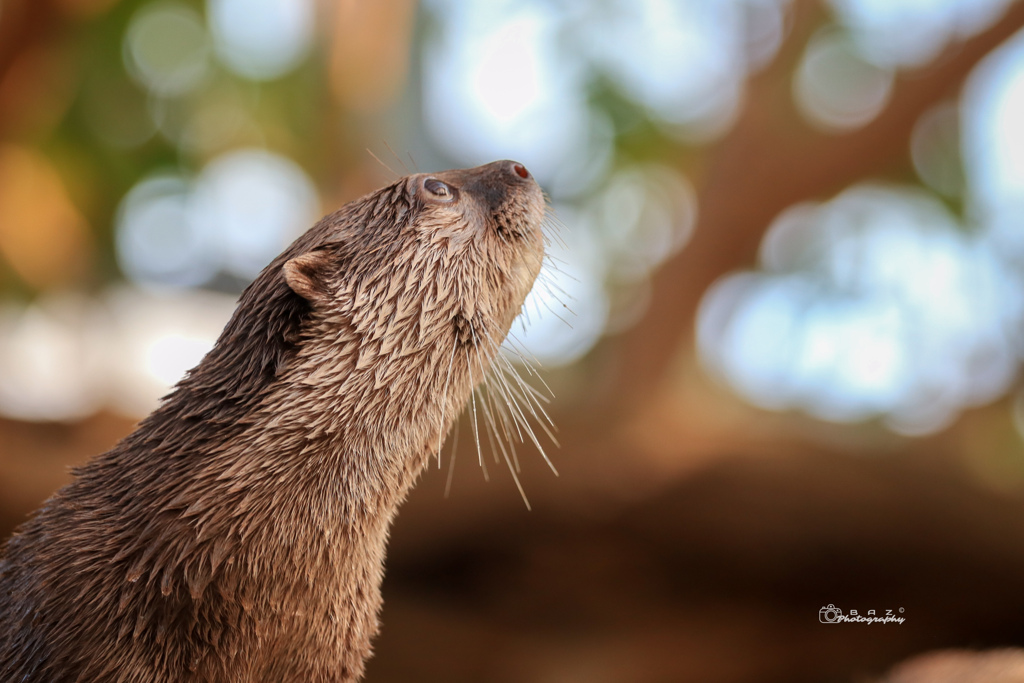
(784, 329)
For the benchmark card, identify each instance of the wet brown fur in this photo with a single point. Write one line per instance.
(239, 533)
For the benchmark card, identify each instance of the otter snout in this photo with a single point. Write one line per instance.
(496, 181)
(493, 184)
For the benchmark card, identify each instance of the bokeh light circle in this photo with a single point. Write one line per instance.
(261, 39)
(166, 48)
(158, 241)
(835, 87)
(243, 209)
(254, 203)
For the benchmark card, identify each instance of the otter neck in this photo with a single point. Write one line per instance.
(286, 483)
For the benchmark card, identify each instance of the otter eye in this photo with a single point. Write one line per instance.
(439, 189)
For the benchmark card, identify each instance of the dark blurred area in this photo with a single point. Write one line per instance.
(782, 321)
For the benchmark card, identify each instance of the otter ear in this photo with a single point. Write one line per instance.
(306, 274)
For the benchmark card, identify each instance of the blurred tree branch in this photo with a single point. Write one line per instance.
(766, 164)
(613, 435)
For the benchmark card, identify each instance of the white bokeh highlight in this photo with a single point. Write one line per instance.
(876, 304)
(910, 33)
(166, 48)
(686, 60)
(51, 366)
(242, 210)
(495, 87)
(261, 39)
(836, 88)
(993, 109)
(254, 203)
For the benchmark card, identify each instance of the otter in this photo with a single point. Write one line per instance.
(238, 534)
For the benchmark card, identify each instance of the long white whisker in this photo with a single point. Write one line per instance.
(552, 221)
(533, 437)
(531, 392)
(550, 283)
(528, 364)
(492, 429)
(397, 158)
(444, 406)
(451, 461)
(531, 405)
(509, 398)
(476, 435)
(555, 313)
(502, 410)
(512, 404)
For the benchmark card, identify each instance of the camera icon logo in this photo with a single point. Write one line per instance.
(830, 614)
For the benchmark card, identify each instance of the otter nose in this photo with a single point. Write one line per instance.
(513, 168)
(493, 182)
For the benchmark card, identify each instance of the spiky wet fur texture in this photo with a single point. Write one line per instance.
(238, 534)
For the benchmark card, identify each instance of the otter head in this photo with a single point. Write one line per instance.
(490, 215)
(410, 292)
